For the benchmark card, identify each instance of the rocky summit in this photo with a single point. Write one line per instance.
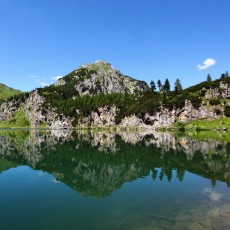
(100, 77)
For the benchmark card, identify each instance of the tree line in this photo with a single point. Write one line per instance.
(177, 85)
(166, 86)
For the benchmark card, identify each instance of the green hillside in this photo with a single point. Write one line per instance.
(6, 92)
(138, 104)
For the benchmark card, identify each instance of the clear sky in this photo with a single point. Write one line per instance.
(145, 39)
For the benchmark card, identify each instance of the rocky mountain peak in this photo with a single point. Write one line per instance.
(100, 77)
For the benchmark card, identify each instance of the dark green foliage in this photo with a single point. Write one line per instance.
(148, 102)
(19, 97)
(128, 104)
(167, 85)
(180, 126)
(204, 86)
(214, 101)
(195, 100)
(152, 85)
(227, 110)
(217, 111)
(226, 80)
(177, 101)
(209, 78)
(159, 84)
(178, 86)
(224, 75)
(170, 100)
(203, 92)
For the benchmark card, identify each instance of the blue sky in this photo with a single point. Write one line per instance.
(145, 39)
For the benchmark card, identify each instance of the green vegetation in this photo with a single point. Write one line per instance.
(214, 101)
(219, 135)
(18, 120)
(5, 165)
(227, 111)
(65, 99)
(6, 92)
(217, 124)
(100, 172)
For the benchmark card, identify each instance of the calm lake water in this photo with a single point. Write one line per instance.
(77, 180)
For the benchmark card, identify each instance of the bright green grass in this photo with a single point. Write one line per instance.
(217, 124)
(18, 120)
(6, 91)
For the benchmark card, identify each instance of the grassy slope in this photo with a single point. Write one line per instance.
(6, 91)
(218, 124)
(17, 121)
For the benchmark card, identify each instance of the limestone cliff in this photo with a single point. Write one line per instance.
(100, 77)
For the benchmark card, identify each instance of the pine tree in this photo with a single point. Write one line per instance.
(152, 85)
(167, 85)
(178, 86)
(159, 84)
(223, 75)
(209, 78)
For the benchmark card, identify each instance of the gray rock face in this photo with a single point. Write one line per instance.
(101, 77)
(103, 117)
(34, 112)
(33, 108)
(7, 109)
(223, 92)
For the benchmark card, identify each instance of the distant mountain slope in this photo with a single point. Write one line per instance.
(99, 77)
(6, 91)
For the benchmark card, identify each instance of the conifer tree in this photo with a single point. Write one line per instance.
(209, 78)
(152, 85)
(178, 86)
(159, 84)
(167, 85)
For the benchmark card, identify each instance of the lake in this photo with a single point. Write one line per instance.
(60, 179)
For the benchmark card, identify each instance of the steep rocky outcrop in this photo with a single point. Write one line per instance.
(7, 109)
(100, 77)
(222, 92)
(35, 112)
(103, 117)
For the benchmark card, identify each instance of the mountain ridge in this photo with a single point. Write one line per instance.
(98, 95)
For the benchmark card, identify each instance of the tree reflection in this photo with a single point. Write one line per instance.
(98, 163)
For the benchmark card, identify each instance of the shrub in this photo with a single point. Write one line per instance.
(203, 92)
(180, 125)
(217, 111)
(214, 101)
(227, 110)
(195, 100)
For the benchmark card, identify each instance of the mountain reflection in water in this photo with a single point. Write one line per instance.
(98, 163)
